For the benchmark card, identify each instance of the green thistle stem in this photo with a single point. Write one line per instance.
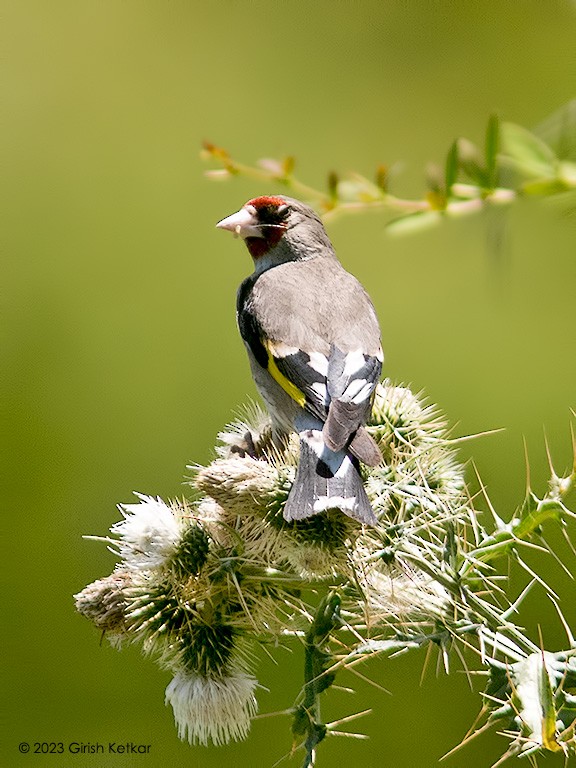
(307, 721)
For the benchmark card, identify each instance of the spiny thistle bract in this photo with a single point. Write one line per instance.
(199, 583)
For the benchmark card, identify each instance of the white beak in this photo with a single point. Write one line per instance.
(242, 223)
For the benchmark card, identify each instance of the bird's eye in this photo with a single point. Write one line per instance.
(273, 214)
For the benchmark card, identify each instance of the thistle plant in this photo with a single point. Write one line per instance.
(201, 582)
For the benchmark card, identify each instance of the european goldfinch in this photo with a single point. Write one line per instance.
(313, 341)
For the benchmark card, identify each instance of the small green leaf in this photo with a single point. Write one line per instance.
(534, 700)
(437, 199)
(470, 161)
(527, 152)
(492, 148)
(451, 167)
(434, 178)
(413, 222)
(214, 151)
(333, 181)
(357, 188)
(326, 618)
(544, 187)
(558, 130)
(549, 714)
(567, 173)
(288, 164)
(382, 177)
(301, 721)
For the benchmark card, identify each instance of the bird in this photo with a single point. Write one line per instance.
(314, 346)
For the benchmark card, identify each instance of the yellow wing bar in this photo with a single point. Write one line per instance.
(289, 387)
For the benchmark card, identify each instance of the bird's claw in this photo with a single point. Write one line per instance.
(246, 448)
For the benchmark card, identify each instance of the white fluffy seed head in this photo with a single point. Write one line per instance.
(212, 710)
(149, 533)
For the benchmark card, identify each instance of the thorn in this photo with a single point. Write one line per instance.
(469, 736)
(343, 689)
(474, 435)
(509, 753)
(527, 464)
(568, 540)
(497, 519)
(367, 680)
(445, 659)
(264, 715)
(426, 662)
(534, 575)
(267, 652)
(567, 629)
(464, 666)
(349, 719)
(514, 606)
(541, 640)
(565, 568)
(553, 475)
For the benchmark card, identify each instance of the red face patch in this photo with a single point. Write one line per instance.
(258, 246)
(266, 201)
(271, 222)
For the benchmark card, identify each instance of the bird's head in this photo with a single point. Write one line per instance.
(277, 229)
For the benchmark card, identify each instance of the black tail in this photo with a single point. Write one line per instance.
(327, 480)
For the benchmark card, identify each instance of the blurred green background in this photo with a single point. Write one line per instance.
(121, 357)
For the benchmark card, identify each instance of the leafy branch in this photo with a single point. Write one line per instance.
(513, 163)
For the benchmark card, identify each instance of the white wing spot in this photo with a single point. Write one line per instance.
(279, 349)
(319, 363)
(352, 390)
(354, 362)
(335, 502)
(320, 389)
(364, 393)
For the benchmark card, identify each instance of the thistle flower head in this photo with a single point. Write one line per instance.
(149, 533)
(401, 418)
(251, 434)
(240, 485)
(104, 603)
(212, 710)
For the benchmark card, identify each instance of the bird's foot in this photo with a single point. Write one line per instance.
(245, 447)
